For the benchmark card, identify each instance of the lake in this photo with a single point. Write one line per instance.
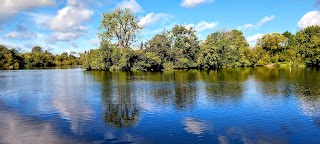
(240, 105)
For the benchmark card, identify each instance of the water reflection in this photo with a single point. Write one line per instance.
(242, 105)
(16, 128)
(194, 126)
(241, 135)
(225, 84)
(125, 94)
(118, 98)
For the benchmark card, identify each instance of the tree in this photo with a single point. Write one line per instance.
(119, 24)
(37, 49)
(223, 49)
(10, 57)
(161, 45)
(185, 46)
(273, 43)
(308, 45)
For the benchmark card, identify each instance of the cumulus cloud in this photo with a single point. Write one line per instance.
(193, 3)
(70, 17)
(253, 39)
(152, 18)
(309, 19)
(12, 7)
(203, 25)
(130, 4)
(21, 33)
(259, 24)
(68, 23)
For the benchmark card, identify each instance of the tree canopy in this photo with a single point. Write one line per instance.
(119, 24)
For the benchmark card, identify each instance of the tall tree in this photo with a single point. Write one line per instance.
(119, 24)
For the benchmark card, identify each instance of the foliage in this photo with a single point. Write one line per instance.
(185, 47)
(180, 48)
(119, 24)
(224, 49)
(308, 45)
(10, 58)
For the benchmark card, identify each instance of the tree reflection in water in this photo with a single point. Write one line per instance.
(119, 101)
(225, 84)
(122, 92)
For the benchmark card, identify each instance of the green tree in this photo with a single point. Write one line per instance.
(224, 49)
(119, 24)
(160, 46)
(10, 58)
(274, 44)
(185, 46)
(37, 49)
(308, 45)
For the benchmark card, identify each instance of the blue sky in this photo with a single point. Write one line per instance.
(72, 25)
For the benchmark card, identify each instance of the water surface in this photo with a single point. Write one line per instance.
(243, 105)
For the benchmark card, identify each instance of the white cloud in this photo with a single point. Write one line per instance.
(130, 4)
(13, 35)
(70, 17)
(310, 18)
(193, 3)
(21, 33)
(65, 36)
(67, 24)
(259, 24)
(12, 7)
(253, 39)
(265, 20)
(152, 18)
(203, 25)
(246, 27)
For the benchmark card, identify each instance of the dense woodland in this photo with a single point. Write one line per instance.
(178, 48)
(11, 58)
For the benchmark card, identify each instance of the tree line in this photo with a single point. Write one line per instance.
(11, 58)
(180, 48)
